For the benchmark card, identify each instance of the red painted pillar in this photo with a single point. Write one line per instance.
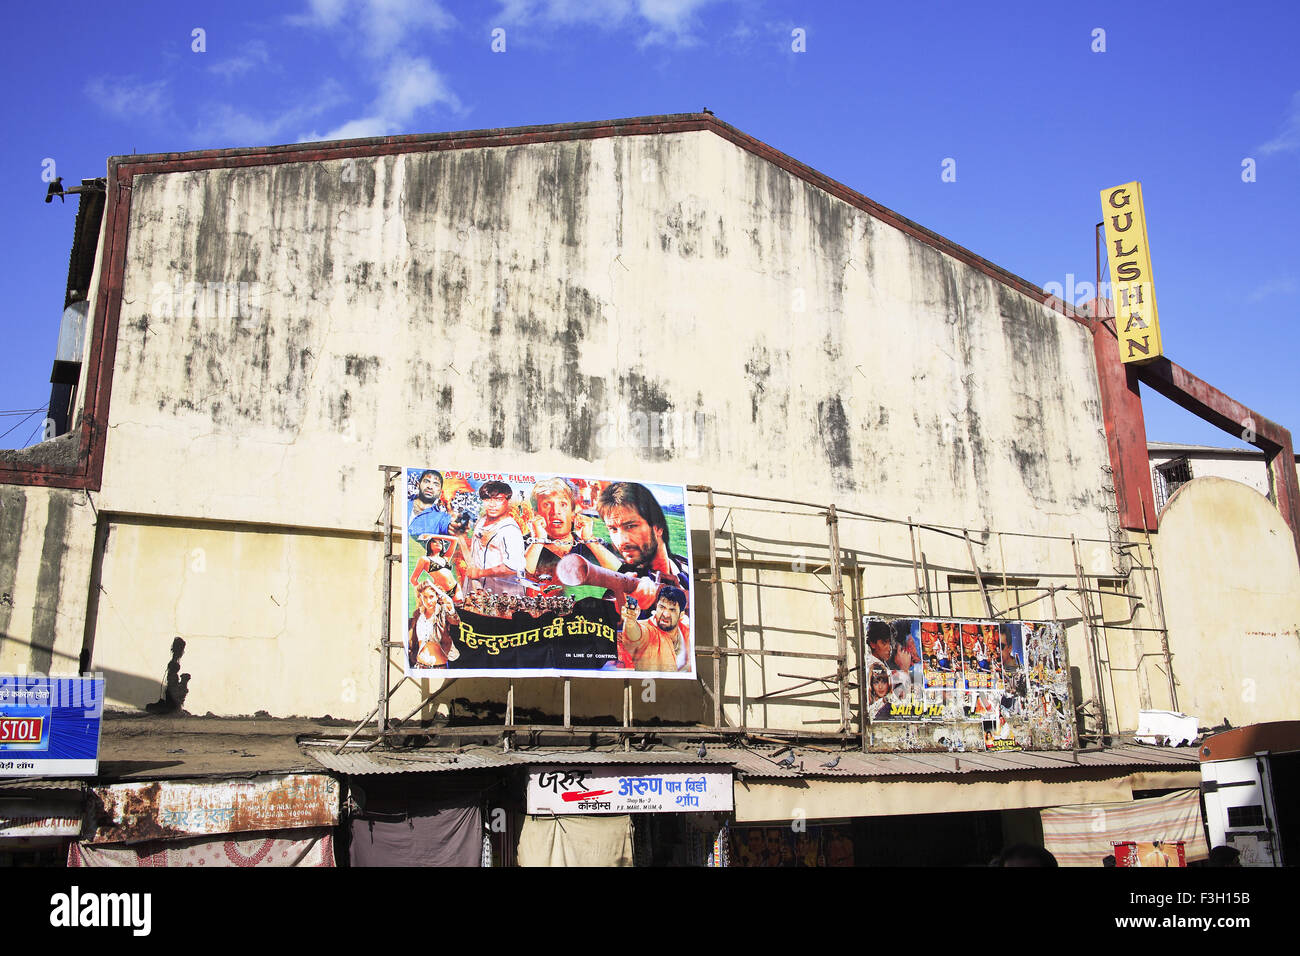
(1126, 432)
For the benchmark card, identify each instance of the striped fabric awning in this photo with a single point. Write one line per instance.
(1083, 836)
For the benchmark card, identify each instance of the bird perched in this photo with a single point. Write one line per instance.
(831, 764)
(787, 760)
(701, 753)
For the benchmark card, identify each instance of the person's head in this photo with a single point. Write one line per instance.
(900, 685)
(929, 634)
(879, 682)
(669, 608)
(556, 501)
(1024, 854)
(1224, 855)
(432, 548)
(1008, 653)
(903, 657)
(495, 496)
(428, 596)
(880, 639)
(636, 523)
(429, 489)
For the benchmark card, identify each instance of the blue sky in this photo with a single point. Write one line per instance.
(1036, 120)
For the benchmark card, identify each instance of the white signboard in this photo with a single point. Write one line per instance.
(39, 818)
(628, 789)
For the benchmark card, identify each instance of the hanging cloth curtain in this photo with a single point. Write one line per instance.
(576, 841)
(1083, 836)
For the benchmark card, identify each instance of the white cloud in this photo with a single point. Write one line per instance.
(1283, 286)
(128, 98)
(250, 56)
(225, 125)
(1288, 138)
(380, 26)
(662, 21)
(408, 87)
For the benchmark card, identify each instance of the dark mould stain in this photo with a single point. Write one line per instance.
(54, 550)
(361, 367)
(13, 511)
(562, 187)
(643, 395)
(833, 427)
(446, 430)
(758, 369)
(498, 385)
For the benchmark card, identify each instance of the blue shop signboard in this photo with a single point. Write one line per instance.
(49, 726)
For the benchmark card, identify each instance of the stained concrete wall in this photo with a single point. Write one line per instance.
(1231, 588)
(46, 549)
(668, 308)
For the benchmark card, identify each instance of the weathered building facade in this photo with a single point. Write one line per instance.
(666, 298)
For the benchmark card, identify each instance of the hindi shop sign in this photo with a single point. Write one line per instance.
(49, 726)
(545, 575)
(633, 789)
(163, 810)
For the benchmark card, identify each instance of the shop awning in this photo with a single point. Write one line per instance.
(900, 784)
(435, 760)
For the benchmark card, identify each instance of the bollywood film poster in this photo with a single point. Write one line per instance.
(811, 846)
(1010, 676)
(545, 575)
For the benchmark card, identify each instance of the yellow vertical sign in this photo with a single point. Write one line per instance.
(1132, 289)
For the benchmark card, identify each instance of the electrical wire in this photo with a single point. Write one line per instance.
(39, 426)
(20, 424)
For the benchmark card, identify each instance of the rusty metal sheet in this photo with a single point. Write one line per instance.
(169, 810)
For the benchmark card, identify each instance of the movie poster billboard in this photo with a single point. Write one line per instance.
(811, 846)
(1010, 676)
(545, 575)
(1157, 853)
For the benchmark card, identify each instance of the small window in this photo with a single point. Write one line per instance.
(1171, 476)
(1246, 817)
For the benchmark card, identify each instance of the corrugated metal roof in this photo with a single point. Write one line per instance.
(809, 763)
(30, 783)
(758, 762)
(481, 758)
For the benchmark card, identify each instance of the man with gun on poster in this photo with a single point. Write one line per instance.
(656, 629)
